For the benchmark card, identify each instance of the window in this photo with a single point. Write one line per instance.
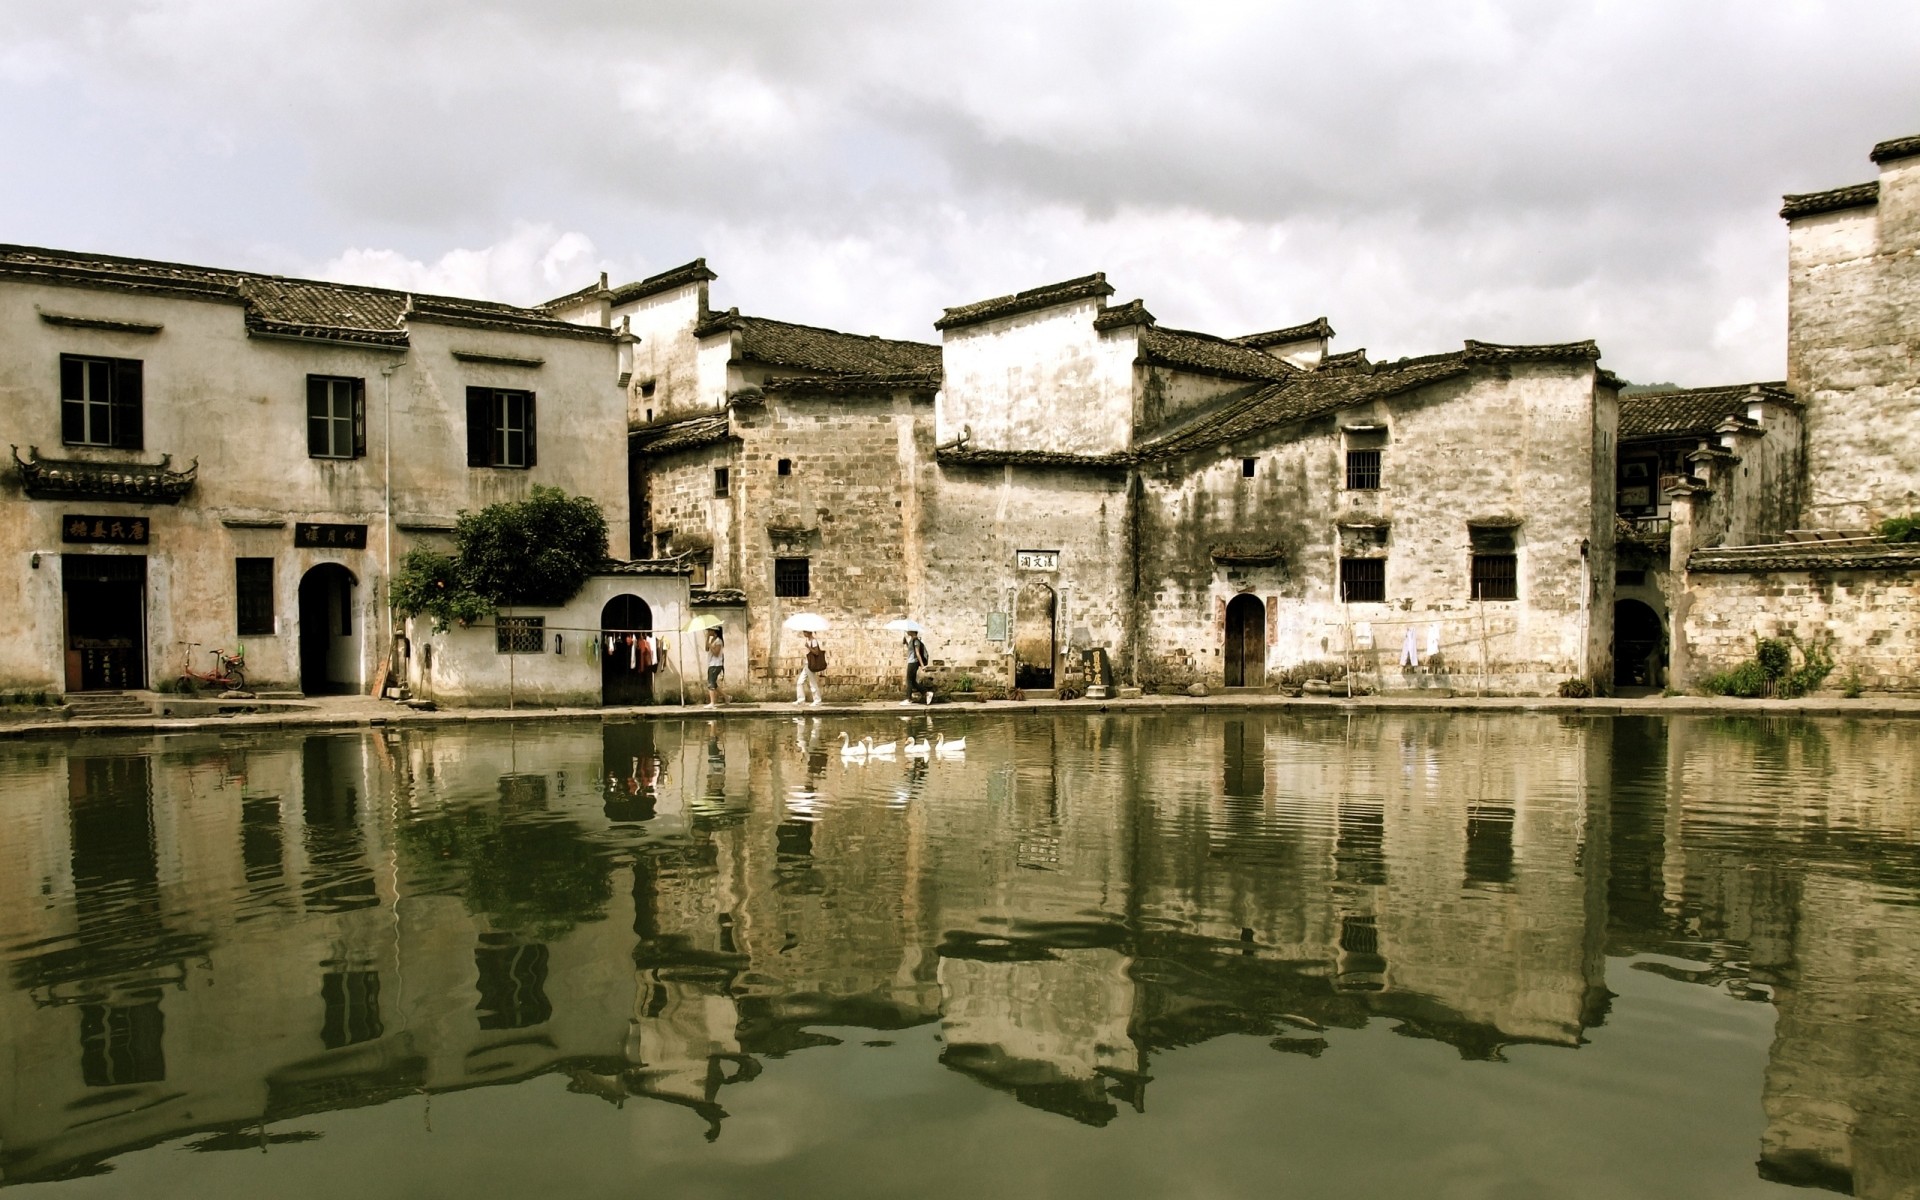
(646, 389)
(352, 1000)
(253, 595)
(1363, 580)
(792, 576)
(719, 482)
(1496, 577)
(1363, 470)
(784, 466)
(121, 1044)
(1248, 466)
(519, 635)
(663, 543)
(513, 986)
(336, 417)
(100, 402)
(1629, 578)
(500, 428)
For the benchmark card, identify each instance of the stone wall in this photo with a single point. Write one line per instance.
(665, 380)
(1853, 306)
(1866, 613)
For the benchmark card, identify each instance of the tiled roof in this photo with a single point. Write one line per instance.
(879, 381)
(1133, 312)
(961, 456)
(72, 479)
(644, 566)
(717, 598)
(680, 276)
(1316, 328)
(826, 351)
(1084, 288)
(1187, 350)
(1346, 358)
(684, 433)
(1888, 151)
(1694, 412)
(1489, 352)
(1808, 556)
(1806, 204)
(597, 290)
(276, 305)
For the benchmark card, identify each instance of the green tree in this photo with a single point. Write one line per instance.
(538, 551)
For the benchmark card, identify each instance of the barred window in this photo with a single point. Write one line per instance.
(519, 635)
(1496, 577)
(253, 595)
(720, 482)
(792, 577)
(1363, 580)
(1363, 470)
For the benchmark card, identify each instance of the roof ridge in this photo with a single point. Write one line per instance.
(663, 281)
(736, 315)
(1081, 287)
(1318, 327)
(1807, 204)
(1896, 148)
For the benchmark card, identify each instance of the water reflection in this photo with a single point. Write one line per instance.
(204, 937)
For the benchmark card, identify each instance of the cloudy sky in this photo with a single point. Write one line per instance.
(1417, 172)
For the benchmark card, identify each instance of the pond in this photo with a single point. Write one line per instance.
(1085, 955)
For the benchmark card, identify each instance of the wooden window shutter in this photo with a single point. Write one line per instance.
(128, 433)
(73, 411)
(316, 417)
(359, 418)
(531, 457)
(479, 427)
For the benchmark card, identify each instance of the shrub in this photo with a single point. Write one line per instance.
(1575, 688)
(1901, 529)
(1851, 687)
(1774, 656)
(537, 551)
(1810, 674)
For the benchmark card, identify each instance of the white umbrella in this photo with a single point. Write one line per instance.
(806, 622)
(703, 621)
(904, 626)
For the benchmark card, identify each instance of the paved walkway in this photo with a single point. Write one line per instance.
(325, 712)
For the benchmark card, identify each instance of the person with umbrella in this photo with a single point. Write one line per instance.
(815, 662)
(916, 658)
(716, 648)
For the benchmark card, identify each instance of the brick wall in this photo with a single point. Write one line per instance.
(1870, 620)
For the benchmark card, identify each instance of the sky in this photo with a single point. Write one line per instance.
(1417, 172)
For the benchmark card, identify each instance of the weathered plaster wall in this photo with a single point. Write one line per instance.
(1520, 441)
(238, 405)
(666, 355)
(681, 502)
(1044, 380)
(1870, 621)
(1853, 304)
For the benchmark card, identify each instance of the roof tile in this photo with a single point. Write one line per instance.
(1806, 204)
(1066, 291)
(1693, 412)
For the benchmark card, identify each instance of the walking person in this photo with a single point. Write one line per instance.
(814, 666)
(916, 659)
(716, 664)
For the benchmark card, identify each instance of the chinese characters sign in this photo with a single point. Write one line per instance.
(1038, 560)
(308, 535)
(108, 531)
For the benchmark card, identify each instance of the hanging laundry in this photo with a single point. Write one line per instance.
(633, 653)
(1409, 651)
(1433, 639)
(644, 645)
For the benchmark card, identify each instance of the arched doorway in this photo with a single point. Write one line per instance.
(1246, 649)
(1639, 643)
(329, 635)
(1033, 647)
(626, 651)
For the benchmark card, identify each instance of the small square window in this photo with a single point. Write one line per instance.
(519, 635)
(1248, 466)
(1363, 580)
(785, 466)
(719, 482)
(792, 577)
(1363, 470)
(1496, 577)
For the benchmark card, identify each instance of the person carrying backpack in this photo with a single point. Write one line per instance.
(810, 672)
(916, 659)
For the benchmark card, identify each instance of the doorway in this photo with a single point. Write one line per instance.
(329, 649)
(1033, 646)
(105, 597)
(1246, 649)
(627, 652)
(1639, 644)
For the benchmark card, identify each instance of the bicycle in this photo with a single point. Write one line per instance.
(229, 672)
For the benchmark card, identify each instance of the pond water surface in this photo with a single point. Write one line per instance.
(1279, 954)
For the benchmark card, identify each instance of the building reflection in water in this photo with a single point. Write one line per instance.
(661, 911)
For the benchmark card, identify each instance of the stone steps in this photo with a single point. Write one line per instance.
(83, 706)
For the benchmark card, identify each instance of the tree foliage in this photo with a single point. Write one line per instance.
(539, 552)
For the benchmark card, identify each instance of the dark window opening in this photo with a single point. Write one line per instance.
(785, 466)
(1630, 578)
(646, 390)
(122, 1044)
(1363, 470)
(513, 986)
(353, 1008)
(519, 635)
(1489, 845)
(720, 482)
(1363, 580)
(253, 595)
(100, 402)
(1359, 849)
(662, 541)
(792, 577)
(1496, 577)
(336, 417)
(500, 428)
(1248, 466)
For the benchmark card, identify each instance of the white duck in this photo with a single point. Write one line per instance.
(852, 751)
(881, 751)
(950, 749)
(919, 749)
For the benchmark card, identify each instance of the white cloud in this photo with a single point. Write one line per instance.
(534, 262)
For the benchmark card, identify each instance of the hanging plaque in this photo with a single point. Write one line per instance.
(1038, 560)
(310, 536)
(104, 531)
